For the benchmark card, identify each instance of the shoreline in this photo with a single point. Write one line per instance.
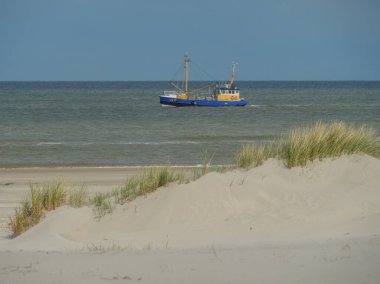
(107, 167)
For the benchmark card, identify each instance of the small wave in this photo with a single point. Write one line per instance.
(7, 144)
(257, 106)
(268, 140)
(81, 143)
(156, 143)
(291, 105)
(137, 143)
(297, 105)
(285, 105)
(48, 143)
(226, 138)
(66, 143)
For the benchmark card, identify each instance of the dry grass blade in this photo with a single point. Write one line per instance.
(102, 204)
(252, 156)
(319, 141)
(46, 197)
(324, 140)
(78, 197)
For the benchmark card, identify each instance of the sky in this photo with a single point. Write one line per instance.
(132, 40)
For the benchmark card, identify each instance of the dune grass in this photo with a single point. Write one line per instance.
(206, 161)
(303, 144)
(147, 181)
(44, 198)
(323, 140)
(78, 197)
(153, 178)
(254, 155)
(224, 168)
(41, 198)
(128, 191)
(23, 218)
(52, 195)
(102, 204)
(198, 172)
(308, 143)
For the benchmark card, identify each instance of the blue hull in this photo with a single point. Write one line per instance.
(205, 103)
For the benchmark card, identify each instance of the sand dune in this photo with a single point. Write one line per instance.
(238, 207)
(329, 209)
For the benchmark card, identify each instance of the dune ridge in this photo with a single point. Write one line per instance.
(270, 203)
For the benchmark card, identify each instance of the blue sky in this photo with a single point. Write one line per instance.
(146, 39)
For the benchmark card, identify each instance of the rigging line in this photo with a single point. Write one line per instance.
(176, 87)
(204, 71)
(197, 76)
(175, 76)
(204, 87)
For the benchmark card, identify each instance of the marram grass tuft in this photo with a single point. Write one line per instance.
(41, 198)
(316, 142)
(323, 140)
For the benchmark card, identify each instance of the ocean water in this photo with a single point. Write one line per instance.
(122, 123)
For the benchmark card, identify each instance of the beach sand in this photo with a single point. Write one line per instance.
(318, 224)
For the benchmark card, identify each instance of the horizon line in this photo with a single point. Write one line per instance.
(125, 81)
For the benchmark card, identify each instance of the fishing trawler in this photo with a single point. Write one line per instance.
(224, 94)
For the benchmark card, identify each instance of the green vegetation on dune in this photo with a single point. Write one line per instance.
(253, 156)
(44, 198)
(303, 144)
(78, 197)
(41, 198)
(102, 204)
(316, 142)
(324, 140)
(147, 181)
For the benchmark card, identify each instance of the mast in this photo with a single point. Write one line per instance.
(233, 74)
(187, 60)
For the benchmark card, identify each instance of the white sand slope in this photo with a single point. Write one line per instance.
(327, 200)
(319, 224)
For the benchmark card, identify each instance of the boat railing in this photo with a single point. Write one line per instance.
(171, 93)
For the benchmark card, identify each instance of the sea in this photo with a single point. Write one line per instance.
(107, 124)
